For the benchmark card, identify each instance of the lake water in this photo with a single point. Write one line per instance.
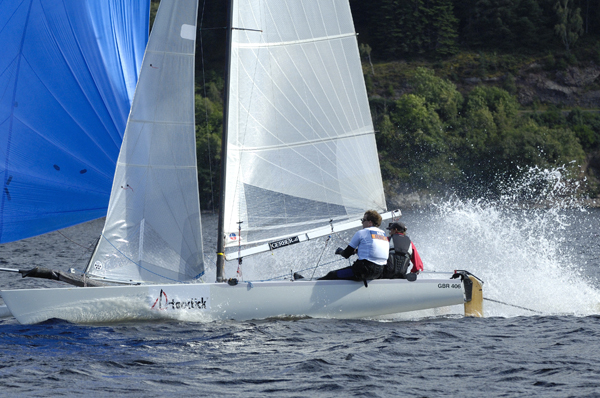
(541, 266)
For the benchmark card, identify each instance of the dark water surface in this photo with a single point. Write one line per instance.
(544, 264)
(523, 356)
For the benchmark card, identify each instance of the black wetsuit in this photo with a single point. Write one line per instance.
(397, 264)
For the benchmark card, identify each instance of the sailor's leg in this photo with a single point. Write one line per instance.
(343, 273)
(365, 270)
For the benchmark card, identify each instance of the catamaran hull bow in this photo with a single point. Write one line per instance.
(220, 301)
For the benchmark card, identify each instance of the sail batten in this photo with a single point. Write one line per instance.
(293, 42)
(303, 143)
(156, 167)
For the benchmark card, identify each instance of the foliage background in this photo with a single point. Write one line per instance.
(435, 133)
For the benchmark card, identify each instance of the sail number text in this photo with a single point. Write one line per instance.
(449, 286)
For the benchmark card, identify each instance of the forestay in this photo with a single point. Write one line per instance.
(68, 70)
(152, 231)
(301, 146)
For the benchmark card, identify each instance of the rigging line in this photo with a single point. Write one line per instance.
(81, 257)
(272, 96)
(322, 251)
(239, 269)
(69, 239)
(286, 276)
(512, 305)
(319, 260)
(210, 171)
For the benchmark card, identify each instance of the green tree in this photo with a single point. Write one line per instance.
(497, 142)
(500, 103)
(414, 145)
(442, 27)
(570, 23)
(440, 93)
(209, 124)
(511, 25)
(412, 27)
(365, 51)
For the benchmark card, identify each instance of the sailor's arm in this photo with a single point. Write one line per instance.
(347, 252)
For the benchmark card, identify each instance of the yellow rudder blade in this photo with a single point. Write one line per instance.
(474, 307)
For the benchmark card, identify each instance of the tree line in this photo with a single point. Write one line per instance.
(438, 28)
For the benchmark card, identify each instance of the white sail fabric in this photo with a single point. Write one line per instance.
(152, 231)
(301, 145)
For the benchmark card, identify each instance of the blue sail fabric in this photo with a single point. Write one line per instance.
(68, 70)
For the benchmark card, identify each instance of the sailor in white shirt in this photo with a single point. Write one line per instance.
(372, 247)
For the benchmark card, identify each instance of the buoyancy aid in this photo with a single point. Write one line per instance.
(399, 259)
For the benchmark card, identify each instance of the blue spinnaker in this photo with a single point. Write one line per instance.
(68, 70)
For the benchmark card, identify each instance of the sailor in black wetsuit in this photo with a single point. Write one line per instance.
(402, 252)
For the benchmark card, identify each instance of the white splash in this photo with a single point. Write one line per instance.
(519, 244)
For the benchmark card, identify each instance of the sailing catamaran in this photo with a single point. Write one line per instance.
(299, 162)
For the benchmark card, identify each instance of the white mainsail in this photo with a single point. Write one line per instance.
(301, 145)
(152, 231)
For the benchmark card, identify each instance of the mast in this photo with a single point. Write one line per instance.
(221, 225)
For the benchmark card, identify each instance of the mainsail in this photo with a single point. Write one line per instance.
(68, 70)
(301, 148)
(152, 231)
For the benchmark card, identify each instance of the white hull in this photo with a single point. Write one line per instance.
(218, 301)
(4, 312)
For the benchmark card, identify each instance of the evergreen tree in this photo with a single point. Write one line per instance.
(414, 27)
(530, 24)
(505, 24)
(442, 27)
(570, 23)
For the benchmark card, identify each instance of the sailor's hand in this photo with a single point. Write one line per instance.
(339, 250)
